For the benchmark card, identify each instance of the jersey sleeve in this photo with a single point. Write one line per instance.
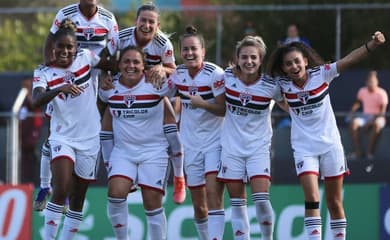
(104, 95)
(168, 88)
(360, 94)
(57, 21)
(167, 54)
(39, 79)
(329, 72)
(218, 82)
(385, 98)
(113, 36)
(92, 58)
(277, 95)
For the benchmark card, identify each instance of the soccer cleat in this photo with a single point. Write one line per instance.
(42, 198)
(179, 190)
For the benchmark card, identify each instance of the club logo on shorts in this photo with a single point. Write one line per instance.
(129, 100)
(300, 164)
(224, 169)
(303, 97)
(57, 148)
(192, 90)
(159, 182)
(69, 77)
(245, 98)
(88, 33)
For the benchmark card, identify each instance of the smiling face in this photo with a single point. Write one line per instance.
(192, 52)
(147, 25)
(131, 66)
(249, 60)
(294, 66)
(65, 50)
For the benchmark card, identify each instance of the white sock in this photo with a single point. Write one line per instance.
(45, 173)
(117, 211)
(107, 143)
(313, 228)
(264, 214)
(339, 228)
(216, 224)
(240, 221)
(176, 155)
(157, 224)
(71, 224)
(53, 215)
(201, 227)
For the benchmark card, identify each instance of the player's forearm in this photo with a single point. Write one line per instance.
(48, 49)
(42, 97)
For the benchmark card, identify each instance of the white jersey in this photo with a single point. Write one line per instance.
(95, 33)
(137, 115)
(199, 129)
(158, 51)
(313, 129)
(247, 127)
(73, 118)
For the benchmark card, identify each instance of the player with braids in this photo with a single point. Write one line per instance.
(200, 85)
(140, 146)
(160, 63)
(246, 136)
(96, 29)
(74, 126)
(315, 139)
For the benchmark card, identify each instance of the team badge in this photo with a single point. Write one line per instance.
(57, 148)
(192, 90)
(129, 100)
(303, 97)
(88, 33)
(69, 77)
(245, 98)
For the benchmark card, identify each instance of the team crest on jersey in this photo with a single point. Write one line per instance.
(303, 97)
(129, 100)
(192, 90)
(69, 76)
(88, 33)
(245, 98)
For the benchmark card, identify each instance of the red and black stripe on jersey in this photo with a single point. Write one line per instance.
(204, 91)
(314, 96)
(99, 35)
(134, 101)
(254, 102)
(77, 81)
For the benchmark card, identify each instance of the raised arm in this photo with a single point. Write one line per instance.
(48, 49)
(360, 53)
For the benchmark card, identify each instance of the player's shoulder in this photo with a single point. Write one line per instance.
(229, 72)
(126, 33)
(104, 13)
(314, 71)
(210, 68)
(267, 80)
(181, 69)
(70, 10)
(161, 39)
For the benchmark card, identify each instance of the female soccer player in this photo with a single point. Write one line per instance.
(160, 63)
(315, 139)
(74, 127)
(246, 136)
(200, 85)
(140, 146)
(96, 29)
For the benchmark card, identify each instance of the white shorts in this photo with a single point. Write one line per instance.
(235, 168)
(149, 171)
(331, 163)
(365, 119)
(198, 164)
(85, 160)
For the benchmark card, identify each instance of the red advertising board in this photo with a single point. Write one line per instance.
(15, 211)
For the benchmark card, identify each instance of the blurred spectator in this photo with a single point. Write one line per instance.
(292, 35)
(31, 122)
(373, 100)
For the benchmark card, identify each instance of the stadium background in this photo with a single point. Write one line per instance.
(24, 25)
